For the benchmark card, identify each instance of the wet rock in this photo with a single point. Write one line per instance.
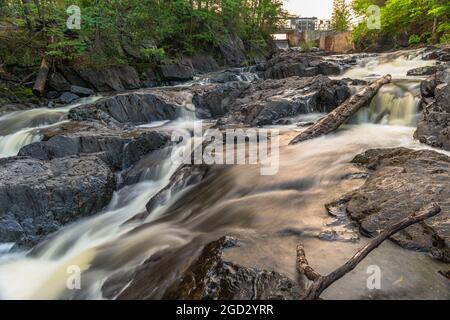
(38, 197)
(118, 148)
(266, 102)
(80, 91)
(433, 127)
(402, 181)
(185, 176)
(436, 53)
(329, 68)
(213, 278)
(137, 107)
(217, 101)
(423, 71)
(289, 63)
(68, 97)
(202, 273)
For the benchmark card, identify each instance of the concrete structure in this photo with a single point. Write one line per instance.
(296, 30)
(341, 42)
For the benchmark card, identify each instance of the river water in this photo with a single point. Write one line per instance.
(269, 214)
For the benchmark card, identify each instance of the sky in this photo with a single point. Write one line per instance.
(310, 8)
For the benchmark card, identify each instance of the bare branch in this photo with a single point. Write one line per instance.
(341, 114)
(320, 283)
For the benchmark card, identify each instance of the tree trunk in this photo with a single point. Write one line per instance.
(320, 283)
(41, 79)
(341, 114)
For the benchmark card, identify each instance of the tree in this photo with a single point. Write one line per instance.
(340, 20)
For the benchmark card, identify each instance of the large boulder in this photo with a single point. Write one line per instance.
(137, 107)
(233, 50)
(433, 127)
(57, 82)
(401, 182)
(111, 78)
(118, 148)
(38, 197)
(202, 63)
(218, 100)
(289, 63)
(212, 277)
(177, 72)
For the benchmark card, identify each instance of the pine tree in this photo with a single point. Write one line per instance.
(340, 20)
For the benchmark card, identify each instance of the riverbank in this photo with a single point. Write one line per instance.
(108, 198)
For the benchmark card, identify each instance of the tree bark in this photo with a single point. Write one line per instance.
(320, 283)
(341, 114)
(41, 79)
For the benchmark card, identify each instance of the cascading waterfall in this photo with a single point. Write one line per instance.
(395, 104)
(238, 201)
(397, 64)
(20, 128)
(43, 274)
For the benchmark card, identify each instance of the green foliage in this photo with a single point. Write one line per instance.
(24, 93)
(173, 26)
(307, 46)
(340, 20)
(414, 40)
(155, 55)
(427, 18)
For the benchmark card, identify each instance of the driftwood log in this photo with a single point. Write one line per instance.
(344, 112)
(320, 282)
(41, 79)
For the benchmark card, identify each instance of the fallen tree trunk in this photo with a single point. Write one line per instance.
(41, 79)
(341, 114)
(320, 283)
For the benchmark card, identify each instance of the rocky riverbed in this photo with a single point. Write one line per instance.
(97, 187)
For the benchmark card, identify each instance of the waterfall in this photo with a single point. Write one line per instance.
(20, 128)
(395, 104)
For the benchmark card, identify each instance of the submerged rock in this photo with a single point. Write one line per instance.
(403, 181)
(68, 97)
(423, 71)
(38, 197)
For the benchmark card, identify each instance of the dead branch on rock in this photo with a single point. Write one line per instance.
(344, 112)
(320, 283)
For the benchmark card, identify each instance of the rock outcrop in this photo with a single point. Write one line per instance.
(212, 277)
(113, 78)
(433, 127)
(266, 102)
(292, 62)
(401, 182)
(136, 107)
(38, 197)
(118, 148)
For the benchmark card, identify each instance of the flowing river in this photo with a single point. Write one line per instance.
(269, 214)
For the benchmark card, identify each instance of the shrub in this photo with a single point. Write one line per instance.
(414, 40)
